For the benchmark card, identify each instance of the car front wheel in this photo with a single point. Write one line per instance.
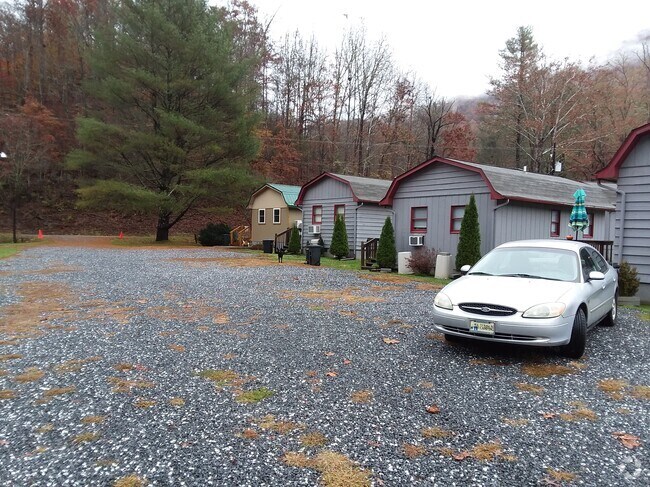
(576, 347)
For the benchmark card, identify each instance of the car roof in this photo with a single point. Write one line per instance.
(546, 243)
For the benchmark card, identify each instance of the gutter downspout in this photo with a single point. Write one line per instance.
(622, 224)
(356, 226)
(494, 221)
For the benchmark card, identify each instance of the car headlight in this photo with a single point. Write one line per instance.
(546, 310)
(443, 301)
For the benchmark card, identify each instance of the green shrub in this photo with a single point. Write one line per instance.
(628, 280)
(469, 240)
(214, 234)
(294, 240)
(339, 246)
(386, 251)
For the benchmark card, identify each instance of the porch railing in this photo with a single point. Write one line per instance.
(369, 253)
(240, 235)
(282, 239)
(603, 246)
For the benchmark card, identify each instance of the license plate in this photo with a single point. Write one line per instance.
(481, 327)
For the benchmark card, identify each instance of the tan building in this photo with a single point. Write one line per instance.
(273, 210)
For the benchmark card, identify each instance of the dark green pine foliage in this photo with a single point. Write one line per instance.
(294, 240)
(172, 124)
(386, 251)
(469, 240)
(339, 247)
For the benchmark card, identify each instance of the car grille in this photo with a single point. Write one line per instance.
(502, 336)
(487, 309)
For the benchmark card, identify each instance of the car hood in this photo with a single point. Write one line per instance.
(515, 292)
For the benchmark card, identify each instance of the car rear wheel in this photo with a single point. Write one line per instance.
(576, 347)
(610, 319)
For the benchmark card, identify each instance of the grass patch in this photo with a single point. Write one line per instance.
(269, 423)
(580, 413)
(412, 451)
(436, 432)
(129, 481)
(516, 422)
(314, 439)
(487, 361)
(177, 348)
(10, 356)
(361, 397)
(255, 395)
(59, 391)
(124, 385)
(30, 375)
(546, 370)
(8, 342)
(74, 365)
(219, 377)
(46, 428)
(93, 419)
(641, 392)
(177, 402)
(7, 394)
(123, 367)
(336, 470)
(144, 403)
(524, 386)
(560, 475)
(614, 388)
(85, 437)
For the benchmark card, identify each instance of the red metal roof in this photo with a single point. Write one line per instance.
(610, 171)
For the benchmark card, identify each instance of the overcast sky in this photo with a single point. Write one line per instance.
(454, 45)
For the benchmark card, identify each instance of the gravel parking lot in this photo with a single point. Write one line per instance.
(207, 367)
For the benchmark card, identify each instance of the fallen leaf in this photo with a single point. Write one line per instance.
(460, 456)
(433, 409)
(331, 374)
(390, 341)
(628, 440)
(329, 354)
(549, 415)
(347, 362)
(375, 444)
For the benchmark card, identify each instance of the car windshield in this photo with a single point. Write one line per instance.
(531, 263)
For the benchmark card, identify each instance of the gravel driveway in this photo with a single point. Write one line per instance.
(206, 367)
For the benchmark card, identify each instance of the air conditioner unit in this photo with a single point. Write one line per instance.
(313, 229)
(416, 240)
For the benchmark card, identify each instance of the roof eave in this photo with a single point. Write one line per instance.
(610, 171)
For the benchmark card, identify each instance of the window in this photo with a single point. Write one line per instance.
(261, 216)
(588, 231)
(317, 215)
(555, 223)
(587, 263)
(339, 211)
(419, 217)
(276, 215)
(457, 213)
(599, 261)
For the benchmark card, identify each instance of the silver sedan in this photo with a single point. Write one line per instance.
(532, 292)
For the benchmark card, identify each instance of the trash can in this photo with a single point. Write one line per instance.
(403, 263)
(313, 254)
(267, 245)
(443, 265)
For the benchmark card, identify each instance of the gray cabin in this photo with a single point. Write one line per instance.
(355, 198)
(429, 203)
(630, 170)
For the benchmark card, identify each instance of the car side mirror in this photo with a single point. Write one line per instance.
(596, 276)
(465, 269)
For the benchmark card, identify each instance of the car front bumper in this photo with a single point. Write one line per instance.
(546, 332)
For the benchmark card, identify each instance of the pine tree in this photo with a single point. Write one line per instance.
(386, 251)
(174, 126)
(339, 246)
(294, 240)
(469, 240)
